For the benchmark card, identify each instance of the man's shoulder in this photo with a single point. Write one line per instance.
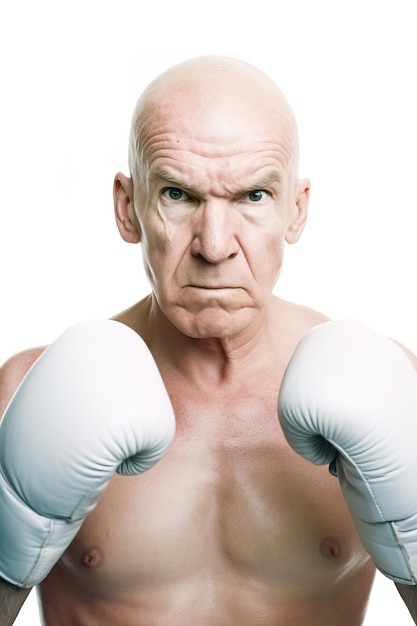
(13, 371)
(298, 318)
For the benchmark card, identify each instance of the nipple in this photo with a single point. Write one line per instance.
(94, 557)
(330, 548)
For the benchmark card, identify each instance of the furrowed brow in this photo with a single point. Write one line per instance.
(266, 181)
(271, 181)
(165, 176)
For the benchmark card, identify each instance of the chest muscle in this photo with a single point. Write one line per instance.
(229, 496)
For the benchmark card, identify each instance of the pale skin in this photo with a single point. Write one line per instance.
(231, 526)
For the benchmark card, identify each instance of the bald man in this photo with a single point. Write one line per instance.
(230, 526)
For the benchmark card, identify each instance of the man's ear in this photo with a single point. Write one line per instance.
(124, 211)
(302, 198)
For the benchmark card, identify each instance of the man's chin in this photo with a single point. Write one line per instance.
(213, 322)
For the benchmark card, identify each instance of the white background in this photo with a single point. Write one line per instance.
(70, 75)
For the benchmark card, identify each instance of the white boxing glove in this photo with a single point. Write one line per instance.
(93, 404)
(349, 398)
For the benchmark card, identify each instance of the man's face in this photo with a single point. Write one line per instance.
(215, 207)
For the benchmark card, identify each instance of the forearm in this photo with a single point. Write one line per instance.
(409, 595)
(11, 601)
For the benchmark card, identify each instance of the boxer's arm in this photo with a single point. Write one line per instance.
(409, 592)
(12, 373)
(409, 595)
(12, 597)
(349, 399)
(11, 601)
(98, 378)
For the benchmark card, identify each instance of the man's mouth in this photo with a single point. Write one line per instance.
(211, 287)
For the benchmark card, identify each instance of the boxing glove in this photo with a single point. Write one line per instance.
(93, 404)
(349, 398)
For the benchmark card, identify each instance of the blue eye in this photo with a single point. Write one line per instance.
(174, 193)
(257, 195)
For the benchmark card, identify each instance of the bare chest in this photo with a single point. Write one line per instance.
(229, 499)
(229, 488)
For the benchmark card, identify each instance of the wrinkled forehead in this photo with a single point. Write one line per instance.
(215, 106)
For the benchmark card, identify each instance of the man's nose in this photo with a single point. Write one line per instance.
(215, 235)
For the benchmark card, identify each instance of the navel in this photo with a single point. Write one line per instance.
(330, 548)
(94, 557)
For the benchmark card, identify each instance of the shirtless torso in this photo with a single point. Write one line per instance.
(231, 527)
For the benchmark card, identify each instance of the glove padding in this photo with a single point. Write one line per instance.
(349, 398)
(93, 404)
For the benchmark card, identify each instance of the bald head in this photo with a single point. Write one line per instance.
(214, 98)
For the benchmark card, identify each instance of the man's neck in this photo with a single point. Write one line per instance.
(210, 359)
